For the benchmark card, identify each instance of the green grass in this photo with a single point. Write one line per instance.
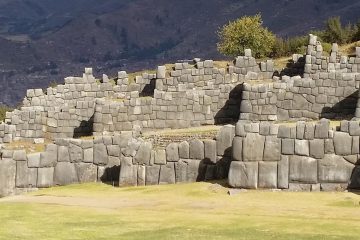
(185, 211)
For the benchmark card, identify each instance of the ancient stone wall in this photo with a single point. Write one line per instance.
(304, 157)
(122, 159)
(186, 95)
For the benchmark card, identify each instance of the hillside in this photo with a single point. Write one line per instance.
(43, 41)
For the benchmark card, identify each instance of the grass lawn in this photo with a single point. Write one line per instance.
(186, 211)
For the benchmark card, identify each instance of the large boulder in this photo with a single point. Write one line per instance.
(272, 149)
(152, 175)
(268, 174)
(342, 143)
(49, 157)
(87, 172)
(335, 169)
(243, 175)
(128, 173)
(283, 173)
(65, 173)
(7, 177)
(45, 177)
(196, 149)
(172, 152)
(184, 150)
(303, 169)
(237, 150)
(253, 147)
(210, 150)
(167, 174)
(25, 177)
(143, 154)
(100, 154)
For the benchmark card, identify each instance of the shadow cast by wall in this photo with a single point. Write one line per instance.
(354, 185)
(344, 110)
(84, 129)
(111, 176)
(292, 68)
(230, 112)
(148, 90)
(215, 172)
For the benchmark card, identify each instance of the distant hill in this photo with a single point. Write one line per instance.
(42, 41)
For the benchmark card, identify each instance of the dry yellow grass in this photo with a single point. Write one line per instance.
(183, 211)
(28, 146)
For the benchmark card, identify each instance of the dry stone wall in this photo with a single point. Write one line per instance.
(187, 95)
(122, 159)
(306, 157)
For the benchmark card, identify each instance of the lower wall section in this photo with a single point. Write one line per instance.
(304, 157)
(122, 159)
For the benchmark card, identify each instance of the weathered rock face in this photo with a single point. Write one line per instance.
(7, 177)
(253, 147)
(65, 173)
(335, 169)
(244, 175)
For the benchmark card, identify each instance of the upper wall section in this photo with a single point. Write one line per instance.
(187, 94)
(328, 89)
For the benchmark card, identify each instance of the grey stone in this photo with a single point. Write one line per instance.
(329, 146)
(65, 173)
(7, 177)
(76, 153)
(342, 143)
(195, 171)
(283, 173)
(87, 172)
(181, 171)
(196, 149)
(172, 152)
(19, 155)
(334, 169)
(253, 147)
(167, 174)
(288, 146)
(45, 177)
(302, 147)
(161, 72)
(143, 154)
(300, 187)
(333, 187)
(272, 148)
(300, 130)
(210, 173)
(63, 154)
(88, 155)
(113, 150)
(184, 150)
(317, 148)
(243, 175)
(160, 156)
(224, 140)
(210, 151)
(100, 154)
(49, 157)
(322, 129)
(152, 175)
(128, 173)
(303, 169)
(141, 175)
(240, 129)
(309, 131)
(237, 150)
(267, 175)
(25, 177)
(33, 160)
(284, 132)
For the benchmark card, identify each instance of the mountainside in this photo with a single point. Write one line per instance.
(42, 41)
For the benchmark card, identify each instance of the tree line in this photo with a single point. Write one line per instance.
(249, 32)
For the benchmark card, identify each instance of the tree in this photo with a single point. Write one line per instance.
(246, 32)
(336, 33)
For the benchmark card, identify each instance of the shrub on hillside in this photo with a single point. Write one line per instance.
(3, 110)
(246, 32)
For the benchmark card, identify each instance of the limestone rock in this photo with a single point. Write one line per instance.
(224, 140)
(7, 177)
(342, 143)
(65, 173)
(172, 152)
(100, 154)
(25, 177)
(303, 169)
(253, 147)
(196, 149)
(335, 169)
(237, 150)
(143, 154)
(128, 173)
(87, 172)
(45, 177)
(243, 175)
(167, 174)
(272, 148)
(268, 174)
(184, 150)
(152, 175)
